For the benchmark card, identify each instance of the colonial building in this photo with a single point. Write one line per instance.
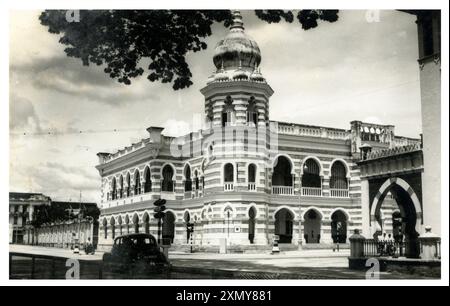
(54, 233)
(21, 209)
(243, 177)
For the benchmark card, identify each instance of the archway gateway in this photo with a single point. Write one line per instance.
(312, 226)
(284, 225)
(409, 224)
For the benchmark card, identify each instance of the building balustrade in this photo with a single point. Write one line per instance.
(339, 193)
(228, 186)
(312, 191)
(252, 186)
(283, 190)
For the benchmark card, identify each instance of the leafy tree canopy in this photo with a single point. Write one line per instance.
(120, 39)
(56, 212)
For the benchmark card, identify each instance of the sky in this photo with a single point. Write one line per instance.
(357, 68)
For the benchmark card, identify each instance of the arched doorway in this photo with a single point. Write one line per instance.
(284, 225)
(113, 227)
(120, 222)
(187, 219)
(136, 223)
(146, 222)
(251, 224)
(410, 212)
(105, 228)
(339, 227)
(168, 226)
(312, 226)
(127, 224)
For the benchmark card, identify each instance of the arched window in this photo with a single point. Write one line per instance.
(188, 180)
(148, 180)
(228, 174)
(167, 183)
(338, 176)
(137, 182)
(311, 174)
(196, 180)
(114, 189)
(251, 173)
(121, 186)
(252, 115)
(228, 115)
(251, 177)
(128, 190)
(282, 173)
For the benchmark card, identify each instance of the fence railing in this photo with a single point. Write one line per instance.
(283, 190)
(374, 248)
(339, 193)
(228, 187)
(312, 191)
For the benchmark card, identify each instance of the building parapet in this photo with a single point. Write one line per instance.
(394, 151)
(312, 131)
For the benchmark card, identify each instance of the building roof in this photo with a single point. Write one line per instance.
(28, 196)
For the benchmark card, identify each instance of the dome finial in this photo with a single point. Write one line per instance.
(237, 20)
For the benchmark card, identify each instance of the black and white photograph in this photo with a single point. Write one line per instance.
(179, 143)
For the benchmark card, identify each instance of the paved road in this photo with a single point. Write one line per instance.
(308, 264)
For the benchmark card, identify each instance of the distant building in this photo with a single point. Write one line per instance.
(55, 234)
(21, 209)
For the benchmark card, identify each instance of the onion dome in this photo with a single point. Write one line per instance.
(237, 48)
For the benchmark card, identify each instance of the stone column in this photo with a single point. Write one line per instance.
(357, 245)
(365, 207)
(430, 243)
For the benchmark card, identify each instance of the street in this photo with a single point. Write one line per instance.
(52, 263)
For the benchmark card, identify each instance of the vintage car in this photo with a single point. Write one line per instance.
(135, 252)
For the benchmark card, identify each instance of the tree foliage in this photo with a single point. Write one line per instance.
(119, 40)
(56, 213)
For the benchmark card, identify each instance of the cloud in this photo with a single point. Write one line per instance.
(68, 76)
(22, 114)
(57, 181)
(174, 127)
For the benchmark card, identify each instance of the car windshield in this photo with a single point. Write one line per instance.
(138, 241)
